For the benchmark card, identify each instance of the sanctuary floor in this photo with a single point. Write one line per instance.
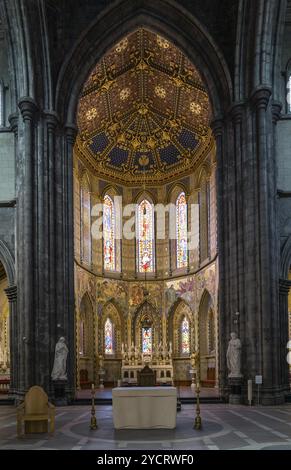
(224, 427)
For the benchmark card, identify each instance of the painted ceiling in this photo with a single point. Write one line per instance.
(144, 113)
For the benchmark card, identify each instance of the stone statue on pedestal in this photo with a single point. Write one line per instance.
(59, 371)
(233, 356)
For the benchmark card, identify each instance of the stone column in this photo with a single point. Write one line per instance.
(26, 237)
(11, 293)
(284, 286)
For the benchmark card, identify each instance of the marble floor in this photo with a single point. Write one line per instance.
(224, 427)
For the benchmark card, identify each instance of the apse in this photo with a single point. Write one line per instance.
(144, 142)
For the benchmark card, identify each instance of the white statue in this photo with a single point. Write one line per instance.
(233, 356)
(59, 371)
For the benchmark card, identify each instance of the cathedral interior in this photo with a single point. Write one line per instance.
(145, 195)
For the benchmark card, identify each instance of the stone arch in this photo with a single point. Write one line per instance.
(179, 310)
(112, 311)
(85, 341)
(146, 309)
(208, 362)
(7, 259)
(167, 18)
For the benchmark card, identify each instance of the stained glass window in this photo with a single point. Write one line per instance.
(185, 336)
(147, 340)
(109, 248)
(181, 231)
(145, 237)
(85, 225)
(108, 337)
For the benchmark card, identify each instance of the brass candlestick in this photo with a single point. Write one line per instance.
(198, 421)
(93, 422)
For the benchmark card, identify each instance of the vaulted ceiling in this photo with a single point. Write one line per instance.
(144, 113)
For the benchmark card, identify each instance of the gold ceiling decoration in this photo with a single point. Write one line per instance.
(143, 109)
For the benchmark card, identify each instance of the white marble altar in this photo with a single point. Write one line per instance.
(144, 407)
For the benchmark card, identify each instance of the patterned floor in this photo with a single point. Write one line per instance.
(224, 427)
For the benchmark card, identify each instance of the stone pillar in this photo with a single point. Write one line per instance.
(284, 286)
(11, 293)
(219, 132)
(25, 238)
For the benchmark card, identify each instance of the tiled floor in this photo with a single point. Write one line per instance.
(224, 427)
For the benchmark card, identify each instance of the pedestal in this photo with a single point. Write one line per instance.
(235, 384)
(60, 398)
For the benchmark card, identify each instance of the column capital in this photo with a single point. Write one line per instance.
(260, 97)
(236, 112)
(71, 133)
(52, 119)
(217, 127)
(28, 108)
(11, 293)
(276, 111)
(13, 120)
(284, 286)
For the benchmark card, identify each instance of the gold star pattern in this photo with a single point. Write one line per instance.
(195, 108)
(124, 94)
(91, 114)
(160, 91)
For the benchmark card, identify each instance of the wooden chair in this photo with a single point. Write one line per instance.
(35, 412)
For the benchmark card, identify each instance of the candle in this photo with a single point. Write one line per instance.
(92, 386)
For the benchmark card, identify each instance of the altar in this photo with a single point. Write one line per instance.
(133, 361)
(144, 407)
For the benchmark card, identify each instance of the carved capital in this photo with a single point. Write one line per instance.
(51, 119)
(71, 133)
(276, 111)
(260, 97)
(28, 108)
(237, 112)
(284, 286)
(217, 127)
(13, 120)
(11, 293)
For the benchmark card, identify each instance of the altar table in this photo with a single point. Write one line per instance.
(144, 407)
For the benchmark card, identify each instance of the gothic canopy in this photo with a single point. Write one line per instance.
(144, 113)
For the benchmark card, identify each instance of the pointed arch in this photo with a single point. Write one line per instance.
(146, 328)
(7, 259)
(207, 339)
(181, 329)
(111, 330)
(166, 18)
